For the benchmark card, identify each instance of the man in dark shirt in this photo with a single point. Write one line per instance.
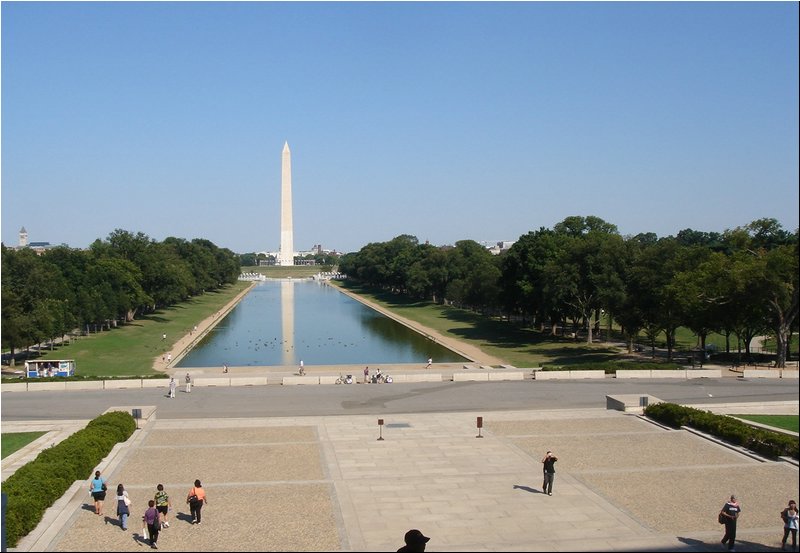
(549, 472)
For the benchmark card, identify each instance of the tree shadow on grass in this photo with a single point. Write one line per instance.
(503, 335)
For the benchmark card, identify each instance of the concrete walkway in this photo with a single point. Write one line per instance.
(328, 484)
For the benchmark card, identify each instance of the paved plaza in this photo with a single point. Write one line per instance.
(328, 484)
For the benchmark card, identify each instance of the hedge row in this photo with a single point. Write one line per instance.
(734, 431)
(611, 367)
(34, 488)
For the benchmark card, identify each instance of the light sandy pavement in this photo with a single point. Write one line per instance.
(328, 484)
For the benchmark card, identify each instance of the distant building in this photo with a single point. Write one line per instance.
(38, 247)
(316, 249)
(500, 247)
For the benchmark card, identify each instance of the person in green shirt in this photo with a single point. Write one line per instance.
(163, 505)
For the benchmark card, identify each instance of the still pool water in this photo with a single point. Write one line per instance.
(283, 322)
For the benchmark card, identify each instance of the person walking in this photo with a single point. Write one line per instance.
(415, 541)
(730, 513)
(123, 506)
(150, 519)
(790, 523)
(163, 505)
(97, 487)
(172, 386)
(302, 368)
(366, 375)
(549, 472)
(196, 498)
(430, 362)
(188, 380)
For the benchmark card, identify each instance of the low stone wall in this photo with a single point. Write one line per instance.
(551, 375)
(635, 373)
(669, 373)
(156, 382)
(587, 374)
(506, 375)
(423, 377)
(630, 402)
(124, 383)
(704, 373)
(83, 385)
(208, 381)
(471, 376)
(300, 380)
(788, 373)
(249, 381)
(14, 387)
(762, 373)
(46, 386)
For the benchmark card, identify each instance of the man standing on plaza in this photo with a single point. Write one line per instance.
(549, 471)
(172, 386)
(188, 384)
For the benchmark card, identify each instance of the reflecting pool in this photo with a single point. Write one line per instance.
(283, 322)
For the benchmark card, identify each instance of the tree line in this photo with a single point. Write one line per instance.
(742, 282)
(116, 279)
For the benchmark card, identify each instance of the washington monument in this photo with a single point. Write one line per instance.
(287, 233)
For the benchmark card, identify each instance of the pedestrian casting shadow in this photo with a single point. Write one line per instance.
(185, 517)
(114, 521)
(527, 489)
(698, 544)
(140, 539)
(88, 507)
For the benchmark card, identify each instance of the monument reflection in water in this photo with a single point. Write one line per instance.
(282, 322)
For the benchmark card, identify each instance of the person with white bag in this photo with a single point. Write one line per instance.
(123, 506)
(151, 523)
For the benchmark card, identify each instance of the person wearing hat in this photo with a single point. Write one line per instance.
(415, 541)
(729, 514)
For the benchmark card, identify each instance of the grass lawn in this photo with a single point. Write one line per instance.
(517, 346)
(129, 350)
(14, 441)
(787, 422)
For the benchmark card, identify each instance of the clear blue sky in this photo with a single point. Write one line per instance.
(447, 121)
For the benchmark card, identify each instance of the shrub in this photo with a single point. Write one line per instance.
(37, 485)
(729, 429)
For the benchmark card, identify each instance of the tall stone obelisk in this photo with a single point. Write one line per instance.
(287, 231)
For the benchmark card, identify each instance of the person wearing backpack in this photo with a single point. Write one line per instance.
(790, 523)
